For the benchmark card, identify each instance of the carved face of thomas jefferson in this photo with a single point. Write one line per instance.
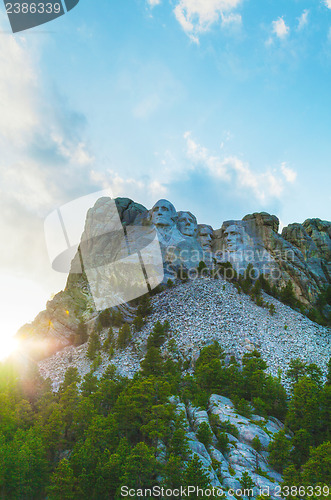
(206, 234)
(163, 214)
(233, 238)
(187, 223)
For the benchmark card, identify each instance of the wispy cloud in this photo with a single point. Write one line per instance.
(153, 3)
(45, 159)
(197, 16)
(327, 3)
(238, 174)
(303, 19)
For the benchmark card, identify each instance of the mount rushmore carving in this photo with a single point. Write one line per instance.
(300, 254)
(106, 270)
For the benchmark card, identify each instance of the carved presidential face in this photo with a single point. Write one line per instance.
(233, 238)
(163, 214)
(187, 223)
(205, 234)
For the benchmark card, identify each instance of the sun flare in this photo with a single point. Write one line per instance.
(8, 346)
(21, 300)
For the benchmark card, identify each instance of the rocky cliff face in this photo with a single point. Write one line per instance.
(127, 250)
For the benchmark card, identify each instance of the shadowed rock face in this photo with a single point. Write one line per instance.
(114, 229)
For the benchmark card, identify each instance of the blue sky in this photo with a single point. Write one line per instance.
(221, 106)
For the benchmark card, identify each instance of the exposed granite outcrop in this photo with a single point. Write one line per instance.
(225, 469)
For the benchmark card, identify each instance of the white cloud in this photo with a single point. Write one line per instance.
(328, 3)
(280, 29)
(303, 19)
(289, 174)
(41, 139)
(18, 88)
(153, 3)
(145, 191)
(237, 173)
(197, 16)
(231, 19)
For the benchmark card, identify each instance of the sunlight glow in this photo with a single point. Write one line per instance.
(21, 300)
(8, 346)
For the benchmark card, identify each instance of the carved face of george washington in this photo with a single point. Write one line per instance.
(163, 214)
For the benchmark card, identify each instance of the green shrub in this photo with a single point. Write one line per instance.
(272, 309)
(222, 441)
(204, 434)
(93, 346)
(256, 444)
(279, 451)
(138, 323)
(124, 336)
(242, 407)
(230, 428)
(246, 482)
(96, 363)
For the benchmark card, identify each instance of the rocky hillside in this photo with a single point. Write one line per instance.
(205, 310)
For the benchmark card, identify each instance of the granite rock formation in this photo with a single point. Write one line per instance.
(106, 271)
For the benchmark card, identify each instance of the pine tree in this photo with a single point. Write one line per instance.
(196, 475)
(204, 434)
(318, 468)
(328, 375)
(82, 335)
(246, 482)
(138, 323)
(145, 306)
(173, 472)
(109, 342)
(140, 468)
(62, 482)
(279, 450)
(152, 364)
(124, 336)
(71, 377)
(117, 317)
(94, 346)
(287, 295)
(304, 411)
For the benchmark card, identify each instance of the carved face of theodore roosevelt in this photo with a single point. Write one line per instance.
(163, 214)
(187, 223)
(206, 234)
